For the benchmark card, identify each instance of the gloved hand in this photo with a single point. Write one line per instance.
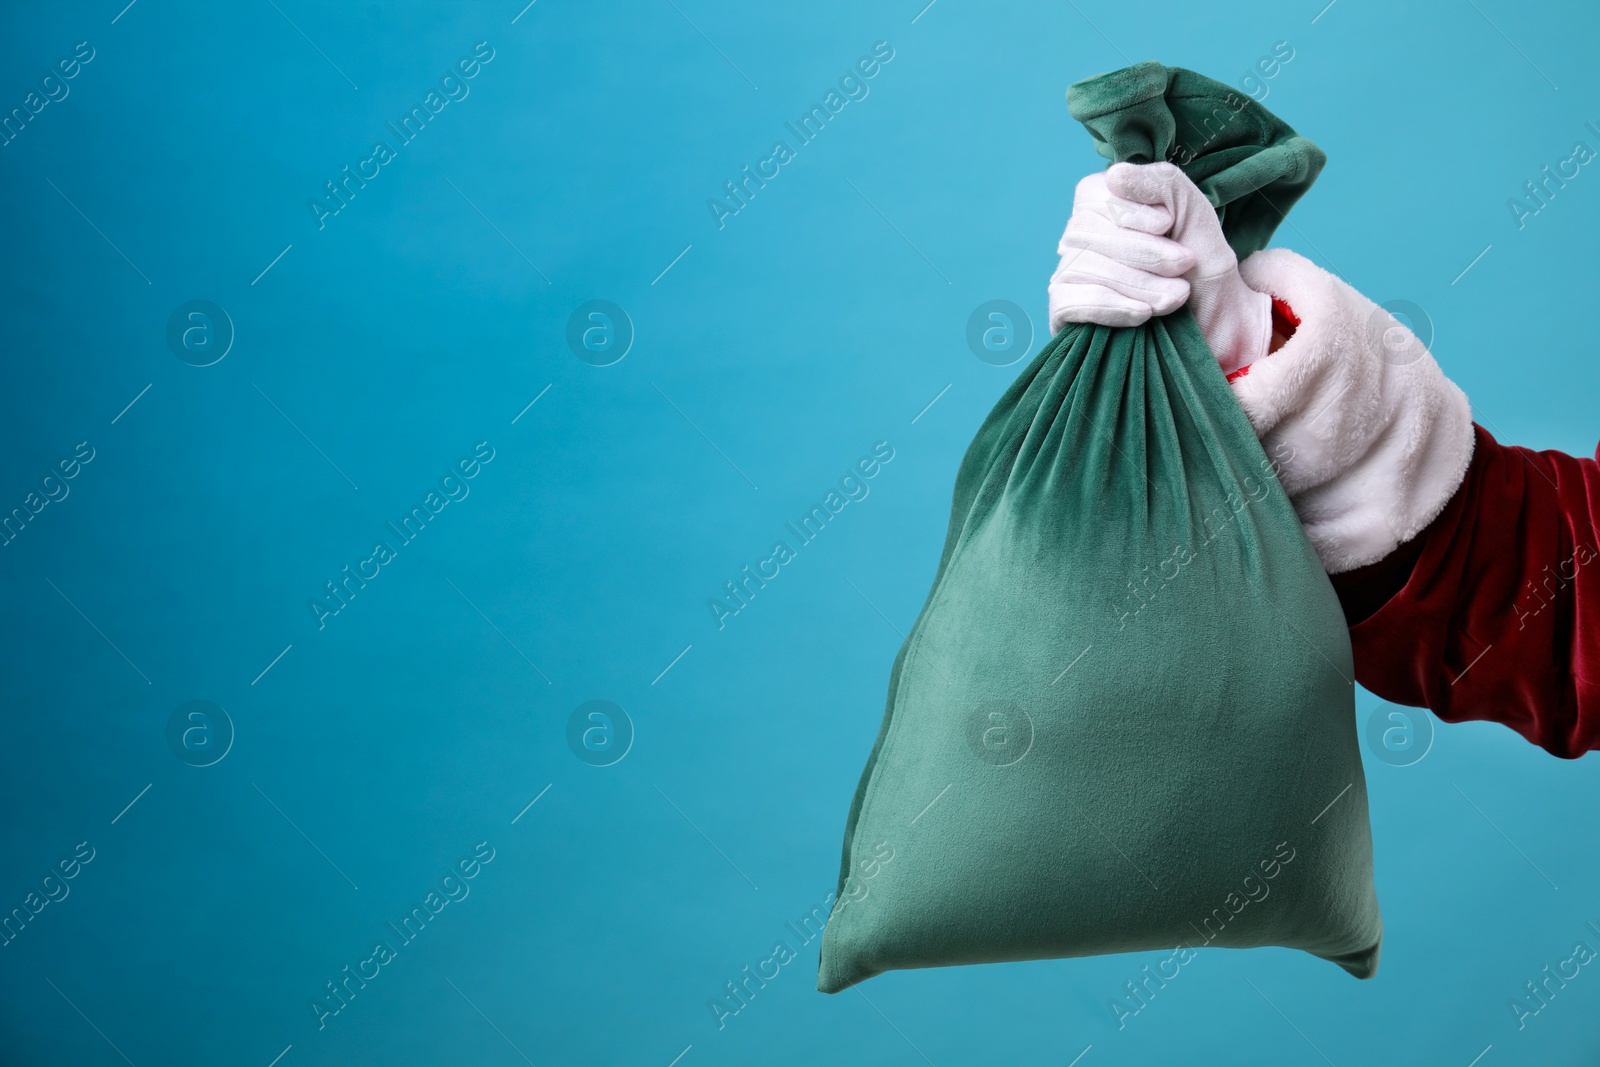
(1235, 320)
(1116, 269)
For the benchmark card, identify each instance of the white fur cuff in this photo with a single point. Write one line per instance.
(1371, 440)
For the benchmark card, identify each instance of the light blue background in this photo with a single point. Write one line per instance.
(821, 319)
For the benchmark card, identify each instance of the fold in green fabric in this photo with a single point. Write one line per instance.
(1250, 164)
(1124, 719)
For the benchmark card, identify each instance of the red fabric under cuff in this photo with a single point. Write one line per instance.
(1493, 612)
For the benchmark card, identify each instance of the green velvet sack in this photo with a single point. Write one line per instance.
(1124, 719)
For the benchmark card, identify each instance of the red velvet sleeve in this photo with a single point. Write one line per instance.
(1493, 611)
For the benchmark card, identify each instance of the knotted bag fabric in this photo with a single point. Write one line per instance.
(1124, 719)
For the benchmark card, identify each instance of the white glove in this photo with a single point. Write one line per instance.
(1116, 269)
(1235, 319)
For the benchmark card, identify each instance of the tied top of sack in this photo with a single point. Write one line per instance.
(1251, 164)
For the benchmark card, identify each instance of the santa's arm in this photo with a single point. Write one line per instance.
(1469, 571)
